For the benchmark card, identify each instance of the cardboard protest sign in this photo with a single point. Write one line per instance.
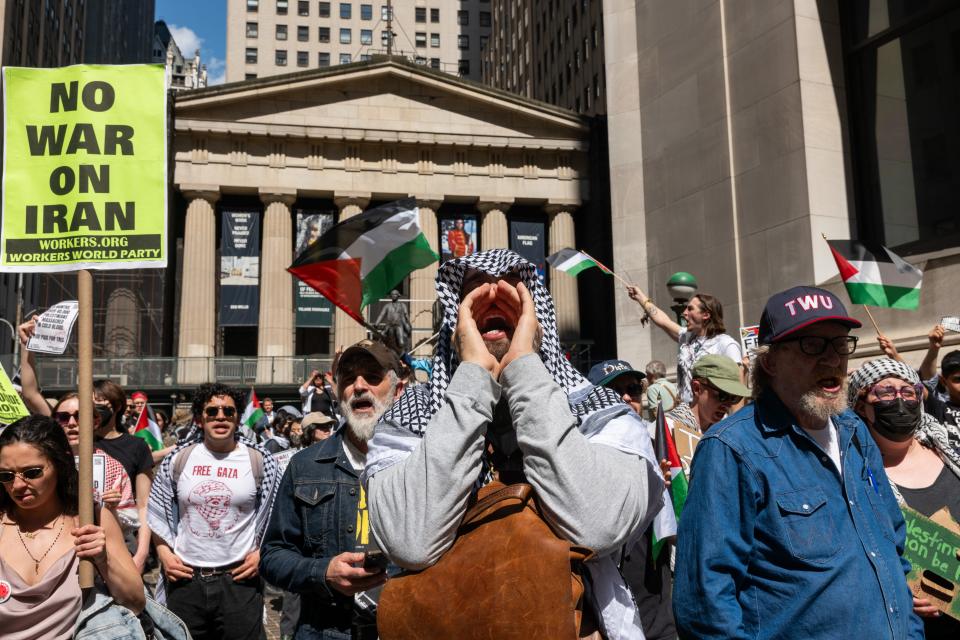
(53, 328)
(99, 473)
(11, 404)
(686, 440)
(282, 458)
(84, 168)
(950, 323)
(749, 338)
(932, 551)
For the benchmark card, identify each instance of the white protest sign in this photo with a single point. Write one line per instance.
(282, 459)
(53, 329)
(99, 473)
(749, 337)
(950, 323)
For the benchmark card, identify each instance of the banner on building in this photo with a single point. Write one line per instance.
(240, 269)
(458, 237)
(528, 238)
(84, 168)
(313, 310)
(53, 328)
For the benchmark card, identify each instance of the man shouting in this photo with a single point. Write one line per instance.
(503, 400)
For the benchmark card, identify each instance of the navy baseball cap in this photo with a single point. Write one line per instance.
(607, 370)
(791, 310)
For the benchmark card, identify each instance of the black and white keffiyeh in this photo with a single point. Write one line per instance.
(415, 407)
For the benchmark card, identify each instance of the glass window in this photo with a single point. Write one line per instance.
(251, 55)
(346, 10)
(303, 33)
(364, 57)
(420, 14)
(434, 39)
(420, 60)
(384, 38)
(435, 15)
(385, 12)
(434, 63)
(303, 7)
(281, 57)
(463, 41)
(324, 34)
(282, 6)
(345, 58)
(324, 9)
(253, 30)
(323, 59)
(366, 36)
(463, 17)
(303, 58)
(253, 5)
(485, 19)
(463, 67)
(249, 76)
(346, 37)
(420, 39)
(366, 12)
(281, 32)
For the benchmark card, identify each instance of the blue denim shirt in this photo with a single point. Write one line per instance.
(314, 519)
(775, 543)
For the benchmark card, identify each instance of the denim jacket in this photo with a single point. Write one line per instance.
(775, 543)
(103, 619)
(314, 519)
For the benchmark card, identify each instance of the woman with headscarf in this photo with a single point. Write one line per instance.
(920, 455)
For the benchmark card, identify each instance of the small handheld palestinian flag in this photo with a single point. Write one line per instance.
(665, 449)
(252, 414)
(148, 429)
(573, 262)
(878, 278)
(359, 260)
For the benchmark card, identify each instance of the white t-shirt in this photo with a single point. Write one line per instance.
(828, 442)
(693, 347)
(217, 494)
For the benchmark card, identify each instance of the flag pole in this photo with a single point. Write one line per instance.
(873, 320)
(612, 272)
(85, 391)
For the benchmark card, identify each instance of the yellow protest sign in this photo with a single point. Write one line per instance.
(11, 405)
(84, 168)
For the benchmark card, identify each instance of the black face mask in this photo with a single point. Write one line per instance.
(104, 412)
(896, 420)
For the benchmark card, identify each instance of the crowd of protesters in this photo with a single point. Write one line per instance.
(380, 506)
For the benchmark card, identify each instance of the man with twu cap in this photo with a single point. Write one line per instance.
(790, 529)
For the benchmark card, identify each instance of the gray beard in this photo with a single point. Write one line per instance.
(363, 427)
(821, 408)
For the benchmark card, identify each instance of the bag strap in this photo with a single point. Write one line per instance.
(520, 492)
(256, 465)
(179, 463)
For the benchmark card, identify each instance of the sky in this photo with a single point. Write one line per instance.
(199, 24)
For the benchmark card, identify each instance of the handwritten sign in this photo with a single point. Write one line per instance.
(53, 328)
(99, 473)
(282, 459)
(932, 551)
(950, 323)
(11, 404)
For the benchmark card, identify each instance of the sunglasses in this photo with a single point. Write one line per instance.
(63, 417)
(634, 390)
(213, 412)
(31, 473)
(725, 397)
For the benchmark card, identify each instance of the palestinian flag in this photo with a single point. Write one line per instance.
(252, 414)
(573, 262)
(359, 260)
(677, 491)
(148, 429)
(878, 278)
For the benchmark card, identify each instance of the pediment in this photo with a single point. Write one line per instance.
(393, 99)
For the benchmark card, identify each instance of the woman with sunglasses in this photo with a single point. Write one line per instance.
(41, 540)
(921, 463)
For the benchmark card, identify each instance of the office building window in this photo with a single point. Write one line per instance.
(303, 33)
(251, 55)
(463, 42)
(346, 11)
(384, 38)
(346, 37)
(385, 12)
(463, 67)
(463, 17)
(434, 39)
(364, 57)
(303, 7)
(483, 42)
(323, 59)
(324, 34)
(324, 9)
(303, 58)
(253, 6)
(280, 58)
(434, 63)
(420, 14)
(435, 15)
(345, 58)
(485, 19)
(420, 39)
(282, 6)
(253, 30)
(366, 12)
(366, 36)
(281, 32)
(249, 76)
(420, 60)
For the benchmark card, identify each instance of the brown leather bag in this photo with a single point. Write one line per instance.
(507, 576)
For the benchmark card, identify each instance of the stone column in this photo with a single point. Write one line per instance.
(275, 337)
(423, 281)
(348, 331)
(198, 289)
(493, 225)
(563, 287)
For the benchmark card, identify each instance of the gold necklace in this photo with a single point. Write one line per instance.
(36, 562)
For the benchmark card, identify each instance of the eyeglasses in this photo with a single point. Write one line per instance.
(816, 345)
(213, 412)
(910, 393)
(724, 397)
(31, 473)
(63, 417)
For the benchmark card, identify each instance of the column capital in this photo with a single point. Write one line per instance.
(554, 207)
(269, 195)
(346, 198)
(486, 206)
(430, 201)
(208, 192)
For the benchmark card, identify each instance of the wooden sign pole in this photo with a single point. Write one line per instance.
(85, 391)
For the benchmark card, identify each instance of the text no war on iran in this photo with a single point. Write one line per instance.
(84, 168)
